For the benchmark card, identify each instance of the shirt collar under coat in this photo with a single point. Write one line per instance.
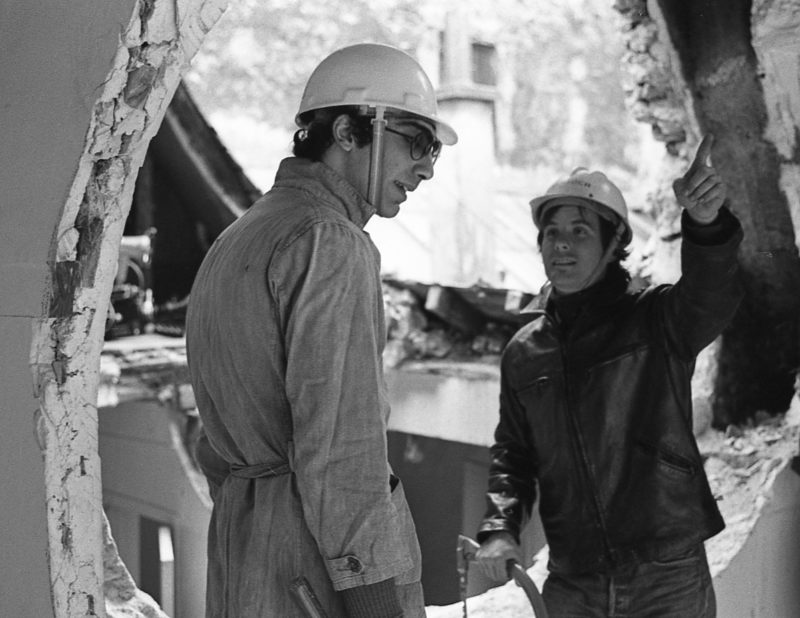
(326, 186)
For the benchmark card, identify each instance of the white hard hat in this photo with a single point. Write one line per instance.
(597, 190)
(376, 76)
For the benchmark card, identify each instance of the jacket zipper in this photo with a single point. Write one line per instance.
(581, 447)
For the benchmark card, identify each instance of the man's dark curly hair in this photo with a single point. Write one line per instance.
(312, 142)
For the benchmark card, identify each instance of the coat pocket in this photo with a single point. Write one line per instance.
(668, 462)
(409, 534)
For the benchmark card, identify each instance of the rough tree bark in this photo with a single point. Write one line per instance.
(693, 70)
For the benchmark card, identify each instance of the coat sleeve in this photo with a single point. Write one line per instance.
(512, 472)
(699, 306)
(328, 287)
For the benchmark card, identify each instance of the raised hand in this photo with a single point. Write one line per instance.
(700, 190)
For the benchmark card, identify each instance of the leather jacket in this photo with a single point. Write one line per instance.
(600, 416)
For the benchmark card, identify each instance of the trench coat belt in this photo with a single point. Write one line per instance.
(260, 471)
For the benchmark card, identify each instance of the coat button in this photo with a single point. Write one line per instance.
(355, 564)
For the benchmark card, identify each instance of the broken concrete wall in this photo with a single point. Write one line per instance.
(761, 580)
(656, 94)
(730, 69)
(148, 432)
(766, 557)
(730, 87)
(47, 99)
(776, 29)
(86, 87)
(122, 597)
(740, 80)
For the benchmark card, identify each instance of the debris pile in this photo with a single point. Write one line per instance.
(742, 463)
(461, 324)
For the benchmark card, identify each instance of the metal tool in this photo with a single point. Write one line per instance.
(465, 553)
(306, 599)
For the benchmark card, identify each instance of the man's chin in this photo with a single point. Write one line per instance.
(388, 211)
(564, 286)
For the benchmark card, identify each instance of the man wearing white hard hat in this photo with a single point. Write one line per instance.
(596, 406)
(285, 331)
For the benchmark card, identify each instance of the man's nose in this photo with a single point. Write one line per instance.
(561, 243)
(424, 167)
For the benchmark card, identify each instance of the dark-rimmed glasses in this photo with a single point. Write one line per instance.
(421, 144)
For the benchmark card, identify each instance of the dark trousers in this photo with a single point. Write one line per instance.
(679, 588)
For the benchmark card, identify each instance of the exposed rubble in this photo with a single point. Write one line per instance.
(415, 331)
(742, 464)
(123, 599)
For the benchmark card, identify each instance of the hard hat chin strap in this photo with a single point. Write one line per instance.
(612, 246)
(374, 193)
(602, 263)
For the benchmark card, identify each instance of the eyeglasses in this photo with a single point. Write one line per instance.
(421, 144)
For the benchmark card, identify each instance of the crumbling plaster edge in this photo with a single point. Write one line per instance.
(728, 545)
(740, 529)
(775, 30)
(154, 50)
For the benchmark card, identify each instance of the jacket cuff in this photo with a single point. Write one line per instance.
(378, 600)
(492, 526)
(350, 571)
(718, 232)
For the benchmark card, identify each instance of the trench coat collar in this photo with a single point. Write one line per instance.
(327, 187)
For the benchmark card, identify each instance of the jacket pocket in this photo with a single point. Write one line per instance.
(619, 355)
(408, 534)
(692, 556)
(670, 463)
(535, 388)
(544, 411)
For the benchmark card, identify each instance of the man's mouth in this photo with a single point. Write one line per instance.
(564, 261)
(404, 188)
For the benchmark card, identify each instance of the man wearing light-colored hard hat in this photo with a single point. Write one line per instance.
(596, 406)
(285, 331)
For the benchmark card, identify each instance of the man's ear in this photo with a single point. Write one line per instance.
(343, 132)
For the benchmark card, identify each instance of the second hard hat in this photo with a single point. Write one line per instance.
(595, 188)
(374, 75)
